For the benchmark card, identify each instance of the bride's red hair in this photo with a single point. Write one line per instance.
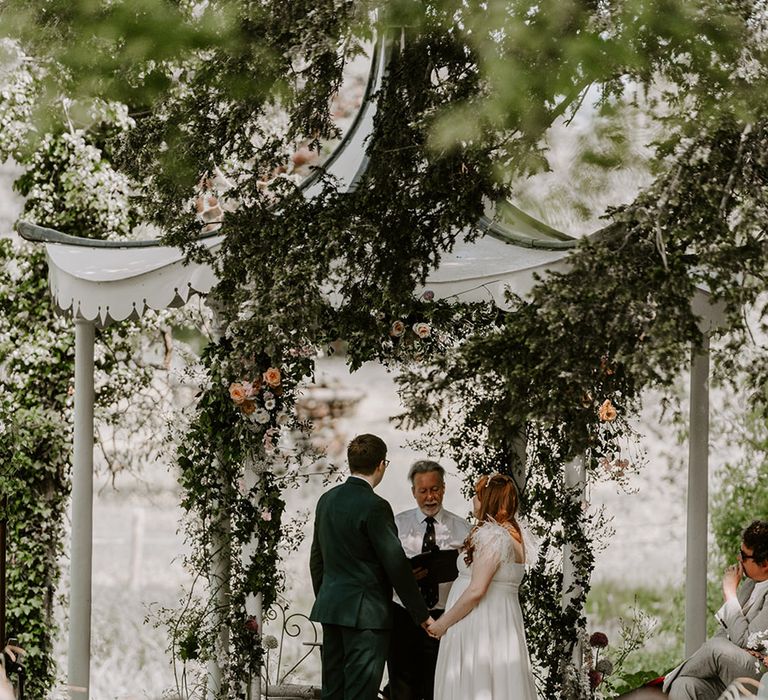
(497, 494)
(498, 498)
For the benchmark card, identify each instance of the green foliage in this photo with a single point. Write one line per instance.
(70, 187)
(742, 493)
(662, 608)
(235, 507)
(470, 91)
(36, 352)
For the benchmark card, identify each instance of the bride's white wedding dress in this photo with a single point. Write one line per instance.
(484, 655)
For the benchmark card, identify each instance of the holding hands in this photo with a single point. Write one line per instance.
(436, 629)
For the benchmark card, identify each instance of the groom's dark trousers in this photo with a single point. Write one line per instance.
(355, 562)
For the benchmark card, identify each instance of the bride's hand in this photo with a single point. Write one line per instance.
(436, 630)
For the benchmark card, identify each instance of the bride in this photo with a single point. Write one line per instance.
(483, 654)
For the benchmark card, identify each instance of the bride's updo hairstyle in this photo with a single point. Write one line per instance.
(497, 494)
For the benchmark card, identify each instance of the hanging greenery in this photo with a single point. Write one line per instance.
(469, 93)
(69, 184)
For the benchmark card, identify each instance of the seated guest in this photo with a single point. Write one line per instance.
(725, 657)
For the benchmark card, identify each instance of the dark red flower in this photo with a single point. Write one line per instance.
(595, 678)
(598, 640)
(252, 625)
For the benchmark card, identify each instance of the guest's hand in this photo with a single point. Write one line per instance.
(731, 580)
(759, 656)
(429, 621)
(436, 630)
(420, 572)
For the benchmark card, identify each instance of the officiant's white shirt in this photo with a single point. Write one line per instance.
(450, 533)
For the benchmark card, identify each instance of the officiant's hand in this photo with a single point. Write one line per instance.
(420, 572)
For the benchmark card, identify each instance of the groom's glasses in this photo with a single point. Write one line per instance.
(744, 556)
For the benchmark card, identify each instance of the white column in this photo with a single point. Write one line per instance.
(79, 655)
(698, 501)
(575, 477)
(218, 580)
(218, 576)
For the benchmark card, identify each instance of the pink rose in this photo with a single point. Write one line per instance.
(266, 515)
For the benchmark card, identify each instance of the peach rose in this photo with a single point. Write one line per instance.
(248, 407)
(272, 376)
(607, 412)
(397, 329)
(237, 392)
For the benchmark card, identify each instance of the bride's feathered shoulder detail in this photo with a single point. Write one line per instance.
(494, 540)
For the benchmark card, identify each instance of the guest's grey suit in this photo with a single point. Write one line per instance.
(721, 659)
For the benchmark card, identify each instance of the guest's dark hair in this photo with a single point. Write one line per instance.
(425, 466)
(365, 453)
(756, 538)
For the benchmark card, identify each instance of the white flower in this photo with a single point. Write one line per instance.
(260, 415)
(269, 404)
(422, 330)
(758, 641)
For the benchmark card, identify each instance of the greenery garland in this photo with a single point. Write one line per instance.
(626, 300)
(69, 184)
(233, 439)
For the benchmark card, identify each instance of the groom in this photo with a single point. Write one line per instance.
(356, 560)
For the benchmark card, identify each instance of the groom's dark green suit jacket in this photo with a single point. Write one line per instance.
(357, 559)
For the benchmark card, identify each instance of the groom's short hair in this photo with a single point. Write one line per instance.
(365, 453)
(756, 538)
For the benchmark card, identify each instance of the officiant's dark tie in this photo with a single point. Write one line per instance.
(429, 590)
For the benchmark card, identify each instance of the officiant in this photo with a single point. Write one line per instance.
(424, 529)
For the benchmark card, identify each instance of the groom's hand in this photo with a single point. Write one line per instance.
(429, 621)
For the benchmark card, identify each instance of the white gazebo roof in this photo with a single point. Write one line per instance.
(106, 284)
